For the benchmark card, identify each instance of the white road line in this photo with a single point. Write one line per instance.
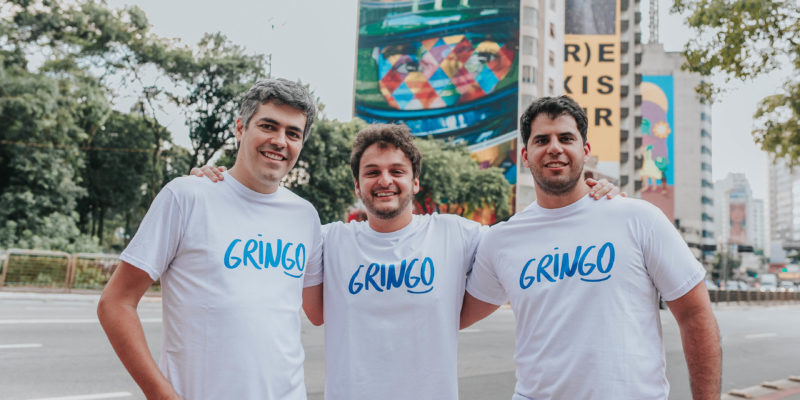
(470, 330)
(114, 395)
(760, 335)
(20, 346)
(62, 321)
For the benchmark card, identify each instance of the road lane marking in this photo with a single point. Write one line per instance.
(20, 346)
(470, 330)
(760, 335)
(63, 321)
(114, 395)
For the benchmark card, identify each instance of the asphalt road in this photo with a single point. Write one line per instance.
(52, 347)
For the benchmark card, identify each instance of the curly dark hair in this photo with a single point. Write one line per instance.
(384, 135)
(554, 107)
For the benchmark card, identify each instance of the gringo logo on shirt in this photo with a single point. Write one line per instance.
(385, 277)
(557, 266)
(260, 255)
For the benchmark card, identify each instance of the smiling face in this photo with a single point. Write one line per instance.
(269, 146)
(386, 184)
(555, 154)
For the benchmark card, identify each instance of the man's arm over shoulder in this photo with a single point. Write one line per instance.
(116, 311)
(701, 341)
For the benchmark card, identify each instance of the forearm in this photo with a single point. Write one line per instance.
(124, 330)
(701, 347)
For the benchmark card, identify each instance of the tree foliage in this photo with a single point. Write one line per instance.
(743, 39)
(322, 174)
(452, 182)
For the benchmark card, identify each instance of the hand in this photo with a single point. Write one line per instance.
(214, 173)
(601, 188)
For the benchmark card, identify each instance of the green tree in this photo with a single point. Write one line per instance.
(322, 174)
(218, 74)
(116, 171)
(743, 39)
(40, 157)
(452, 182)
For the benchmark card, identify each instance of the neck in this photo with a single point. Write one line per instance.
(549, 200)
(247, 179)
(389, 225)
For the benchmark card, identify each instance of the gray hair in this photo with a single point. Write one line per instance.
(281, 92)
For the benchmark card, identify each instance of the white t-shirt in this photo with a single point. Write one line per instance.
(392, 307)
(232, 263)
(588, 329)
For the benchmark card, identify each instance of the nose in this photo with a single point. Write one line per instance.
(384, 179)
(554, 147)
(279, 139)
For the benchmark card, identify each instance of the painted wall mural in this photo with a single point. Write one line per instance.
(658, 142)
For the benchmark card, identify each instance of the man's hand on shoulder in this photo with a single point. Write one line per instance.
(602, 188)
(209, 171)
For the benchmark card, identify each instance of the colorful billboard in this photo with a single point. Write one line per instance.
(737, 211)
(658, 142)
(446, 68)
(592, 74)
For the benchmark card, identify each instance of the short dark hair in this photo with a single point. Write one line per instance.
(554, 107)
(281, 92)
(386, 134)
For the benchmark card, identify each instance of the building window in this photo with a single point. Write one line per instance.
(705, 167)
(530, 16)
(529, 45)
(702, 116)
(551, 86)
(707, 217)
(705, 150)
(705, 133)
(551, 57)
(528, 74)
(707, 200)
(707, 184)
(552, 30)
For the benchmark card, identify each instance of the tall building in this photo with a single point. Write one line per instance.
(739, 218)
(464, 71)
(784, 204)
(675, 148)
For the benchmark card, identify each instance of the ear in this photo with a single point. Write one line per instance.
(355, 184)
(416, 185)
(239, 129)
(587, 151)
(525, 157)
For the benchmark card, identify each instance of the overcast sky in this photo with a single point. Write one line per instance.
(314, 41)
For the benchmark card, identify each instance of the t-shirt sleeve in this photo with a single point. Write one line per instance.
(156, 242)
(669, 261)
(482, 282)
(471, 233)
(314, 268)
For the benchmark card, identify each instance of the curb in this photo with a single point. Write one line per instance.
(76, 297)
(772, 390)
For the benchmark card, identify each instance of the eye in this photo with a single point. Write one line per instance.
(294, 134)
(266, 127)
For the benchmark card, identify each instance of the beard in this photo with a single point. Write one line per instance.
(404, 200)
(557, 185)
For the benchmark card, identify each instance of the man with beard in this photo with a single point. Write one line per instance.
(584, 280)
(393, 285)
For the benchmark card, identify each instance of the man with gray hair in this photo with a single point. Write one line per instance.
(233, 261)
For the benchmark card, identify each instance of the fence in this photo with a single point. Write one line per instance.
(752, 296)
(57, 271)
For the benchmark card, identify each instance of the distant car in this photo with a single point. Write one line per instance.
(768, 287)
(786, 286)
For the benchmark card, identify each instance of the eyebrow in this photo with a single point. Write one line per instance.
(275, 122)
(395, 165)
